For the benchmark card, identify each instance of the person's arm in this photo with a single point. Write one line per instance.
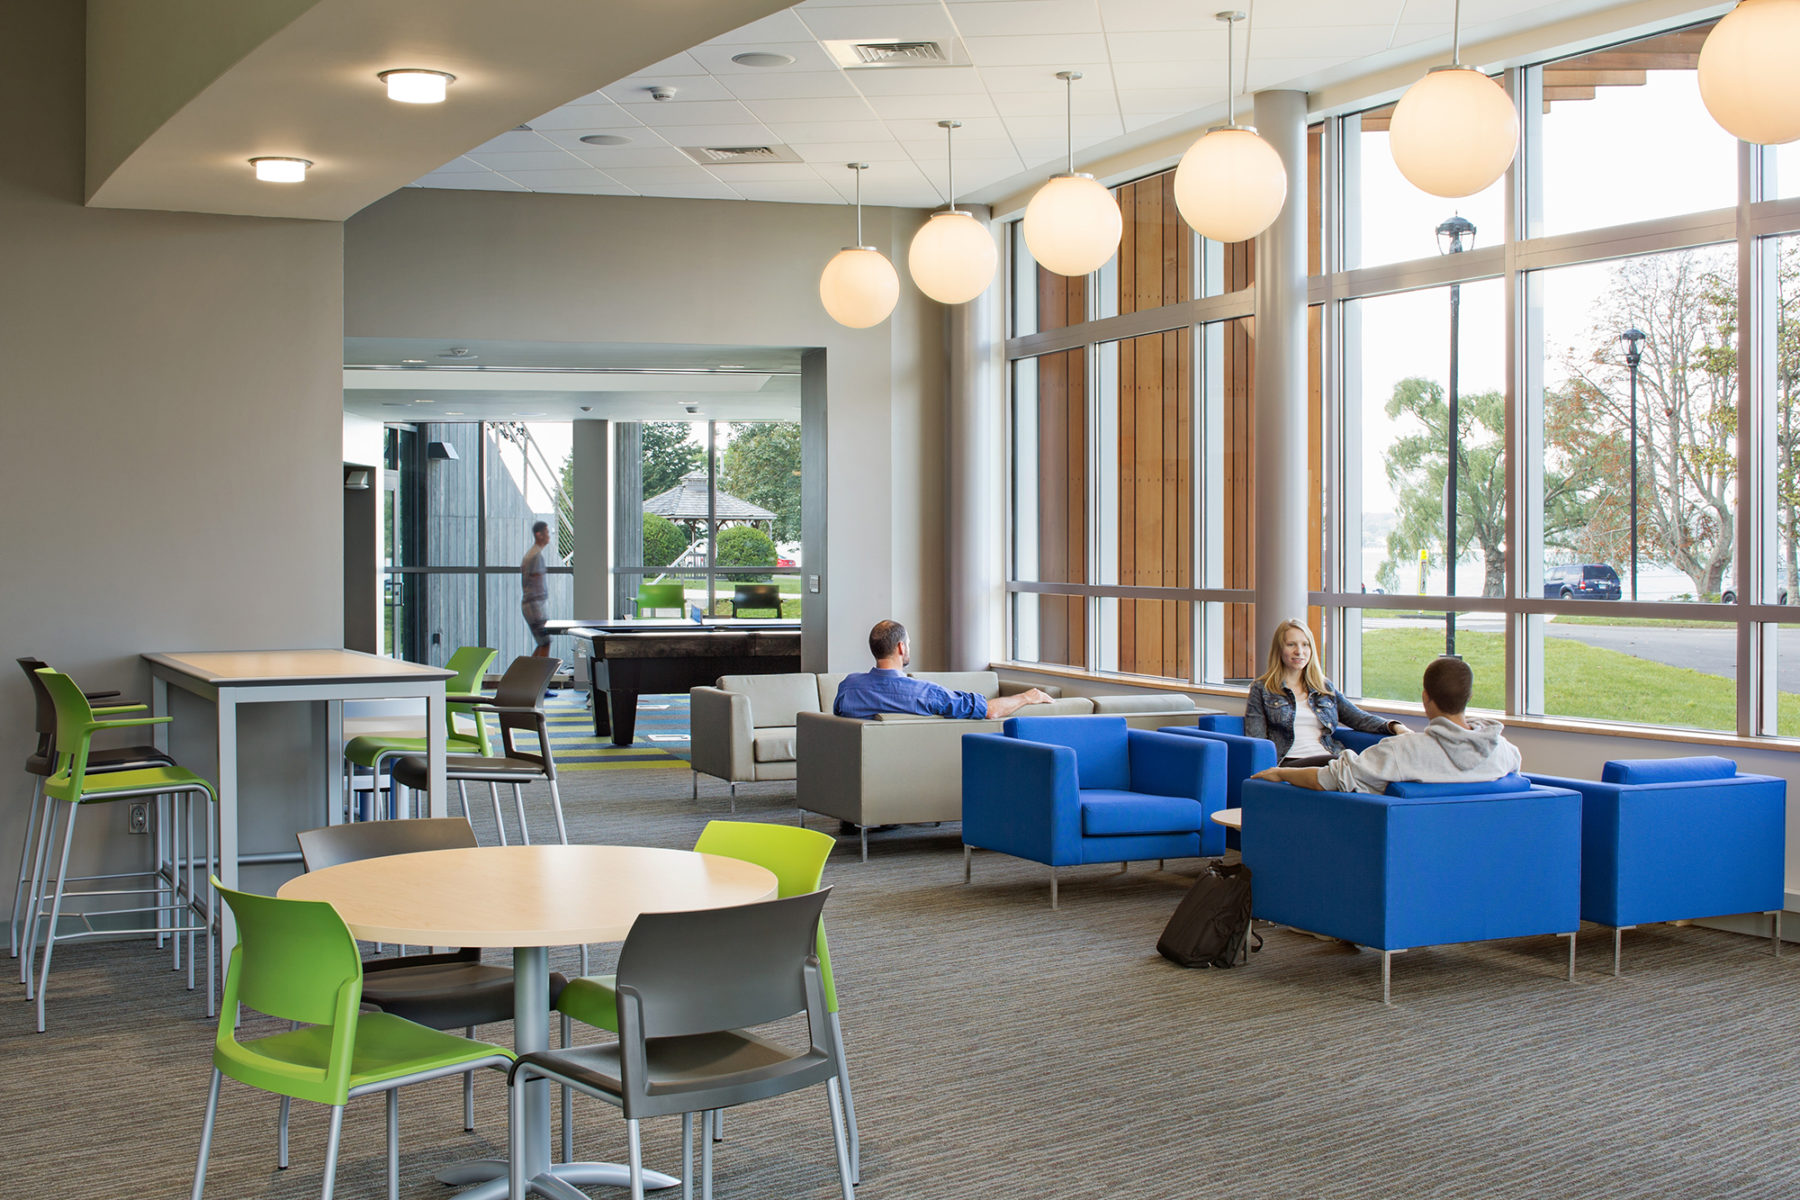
(1306, 777)
(1256, 721)
(1006, 706)
(1362, 722)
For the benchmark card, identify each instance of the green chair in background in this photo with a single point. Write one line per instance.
(180, 906)
(296, 961)
(656, 596)
(796, 856)
(470, 664)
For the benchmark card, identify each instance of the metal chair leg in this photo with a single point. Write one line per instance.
(708, 1135)
(55, 915)
(331, 1151)
(515, 1140)
(281, 1133)
(393, 1143)
(519, 807)
(494, 796)
(843, 1074)
(687, 1156)
(206, 1133)
(562, 830)
(835, 1103)
(35, 903)
(469, 1090)
(634, 1140)
(27, 848)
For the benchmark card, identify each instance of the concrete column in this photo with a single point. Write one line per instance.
(1280, 384)
(593, 521)
(976, 474)
(627, 499)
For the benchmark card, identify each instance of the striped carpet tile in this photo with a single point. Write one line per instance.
(660, 740)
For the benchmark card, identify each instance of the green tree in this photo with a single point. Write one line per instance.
(663, 541)
(746, 545)
(762, 465)
(668, 454)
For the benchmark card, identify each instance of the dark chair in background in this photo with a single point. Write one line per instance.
(758, 596)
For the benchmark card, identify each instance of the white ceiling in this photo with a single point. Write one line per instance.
(1151, 68)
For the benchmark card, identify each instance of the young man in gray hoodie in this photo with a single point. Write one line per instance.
(1451, 749)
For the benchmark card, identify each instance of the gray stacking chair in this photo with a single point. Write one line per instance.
(516, 702)
(692, 986)
(455, 990)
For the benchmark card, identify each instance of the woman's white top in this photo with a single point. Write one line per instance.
(1306, 729)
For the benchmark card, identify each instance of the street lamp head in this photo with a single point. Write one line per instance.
(1633, 339)
(1456, 235)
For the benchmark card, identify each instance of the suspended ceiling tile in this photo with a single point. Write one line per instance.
(458, 165)
(552, 160)
(750, 134)
(1307, 14)
(794, 132)
(867, 23)
(713, 190)
(678, 64)
(815, 191)
(1169, 100)
(1175, 73)
(1148, 16)
(605, 115)
(1094, 127)
(1055, 104)
(847, 108)
(786, 83)
(916, 81)
(1341, 42)
(1170, 45)
(783, 26)
(658, 177)
(689, 89)
(932, 108)
(968, 149)
(1006, 17)
(486, 181)
(1279, 72)
(918, 129)
(763, 172)
(1096, 76)
(1052, 51)
(608, 157)
(807, 54)
(559, 181)
(822, 153)
(512, 143)
(663, 114)
(570, 139)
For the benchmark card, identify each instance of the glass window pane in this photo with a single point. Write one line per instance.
(443, 615)
(526, 468)
(1043, 299)
(1050, 463)
(1682, 397)
(450, 491)
(1782, 178)
(1145, 461)
(1147, 637)
(1390, 220)
(759, 473)
(1401, 377)
(1049, 629)
(507, 631)
(1648, 672)
(1398, 645)
(1626, 138)
(1783, 431)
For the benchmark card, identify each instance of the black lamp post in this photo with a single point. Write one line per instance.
(1633, 339)
(1454, 236)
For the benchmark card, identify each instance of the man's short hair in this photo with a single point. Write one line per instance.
(1449, 681)
(885, 638)
(538, 527)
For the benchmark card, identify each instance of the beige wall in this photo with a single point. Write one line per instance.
(468, 265)
(172, 426)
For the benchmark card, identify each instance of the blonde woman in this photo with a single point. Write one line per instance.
(1295, 706)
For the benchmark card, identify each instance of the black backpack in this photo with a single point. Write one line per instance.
(1212, 922)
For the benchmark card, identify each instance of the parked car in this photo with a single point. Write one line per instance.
(1581, 581)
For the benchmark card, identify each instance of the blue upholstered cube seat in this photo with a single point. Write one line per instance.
(1110, 812)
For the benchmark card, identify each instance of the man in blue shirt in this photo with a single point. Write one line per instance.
(888, 689)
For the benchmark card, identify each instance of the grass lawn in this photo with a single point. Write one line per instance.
(1579, 681)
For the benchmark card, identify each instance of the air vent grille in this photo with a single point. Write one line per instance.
(858, 54)
(724, 156)
(879, 53)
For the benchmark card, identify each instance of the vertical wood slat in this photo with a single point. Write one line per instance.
(1315, 466)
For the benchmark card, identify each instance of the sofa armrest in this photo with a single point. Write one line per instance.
(1355, 739)
(1167, 764)
(1244, 756)
(1021, 798)
(1012, 687)
(721, 738)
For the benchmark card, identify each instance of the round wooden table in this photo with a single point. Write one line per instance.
(529, 898)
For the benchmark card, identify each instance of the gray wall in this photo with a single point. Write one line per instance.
(625, 269)
(173, 431)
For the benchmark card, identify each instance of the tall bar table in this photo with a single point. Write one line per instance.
(229, 678)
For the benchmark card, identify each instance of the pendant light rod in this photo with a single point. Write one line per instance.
(1231, 19)
(1069, 78)
(950, 156)
(1456, 34)
(859, 168)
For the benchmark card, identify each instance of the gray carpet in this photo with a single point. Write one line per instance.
(1003, 1050)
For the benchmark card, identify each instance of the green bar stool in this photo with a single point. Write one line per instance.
(180, 906)
(470, 664)
(656, 596)
(796, 856)
(296, 960)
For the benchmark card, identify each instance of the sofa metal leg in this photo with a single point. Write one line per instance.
(1774, 916)
(734, 799)
(862, 833)
(1387, 964)
(1124, 867)
(968, 860)
(1052, 887)
(1618, 939)
(696, 776)
(1160, 862)
(1571, 937)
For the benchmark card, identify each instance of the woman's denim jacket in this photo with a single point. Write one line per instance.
(1271, 715)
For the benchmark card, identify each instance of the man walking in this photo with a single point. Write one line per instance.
(537, 587)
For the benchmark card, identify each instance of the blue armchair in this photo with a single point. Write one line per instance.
(1069, 790)
(1669, 839)
(1245, 756)
(1424, 865)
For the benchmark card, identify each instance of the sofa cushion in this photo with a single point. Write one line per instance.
(776, 743)
(983, 683)
(1143, 704)
(828, 688)
(903, 718)
(1667, 770)
(1102, 754)
(775, 699)
(1409, 789)
(1107, 812)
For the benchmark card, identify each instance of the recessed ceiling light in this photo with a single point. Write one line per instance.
(270, 169)
(452, 412)
(412, 362)
(605, 139)
(762, 58)
(423, 400)
(731, 366)
(415, 85)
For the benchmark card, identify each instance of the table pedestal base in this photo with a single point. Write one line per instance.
(488, 1177)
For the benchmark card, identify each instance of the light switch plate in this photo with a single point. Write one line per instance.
(812, 584)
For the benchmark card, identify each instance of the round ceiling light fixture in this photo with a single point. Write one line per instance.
(416, 85)
(1747, 77)
(605, 139)
(274, 169)
(1230, 185)
(1455, 131)
(762, 58)
(1072, 225)
(952, 257)
(859, 286)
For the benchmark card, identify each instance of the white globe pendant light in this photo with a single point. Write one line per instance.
(1455, 131)
(952, 257)
(1230, 185)
(1072, 225)
(1747, 71)
(859, 286)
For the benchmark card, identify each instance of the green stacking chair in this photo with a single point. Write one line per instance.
(296, 960)
(797, 857)
(179, 906)
(470, 663)
(661, 595)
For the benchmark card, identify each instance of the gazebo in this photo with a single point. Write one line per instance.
(686, 505)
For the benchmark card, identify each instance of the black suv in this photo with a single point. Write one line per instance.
(1581, 581)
